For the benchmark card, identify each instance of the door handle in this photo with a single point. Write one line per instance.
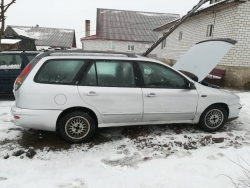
(91, 93)
(151, 95)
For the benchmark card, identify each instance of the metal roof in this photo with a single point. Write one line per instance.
(47, 36)
(130, 25)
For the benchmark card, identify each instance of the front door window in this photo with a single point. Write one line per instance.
(159, 76)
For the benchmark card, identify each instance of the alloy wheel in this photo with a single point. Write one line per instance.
(214, 118)
(77, 127)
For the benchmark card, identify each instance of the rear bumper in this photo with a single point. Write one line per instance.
(234, 111)
(35, 119)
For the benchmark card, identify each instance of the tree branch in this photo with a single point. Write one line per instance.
(8, 5)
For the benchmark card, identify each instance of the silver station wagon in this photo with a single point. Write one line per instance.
(75, 92)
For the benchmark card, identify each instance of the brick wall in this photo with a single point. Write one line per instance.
(120, 46)
(231, 23)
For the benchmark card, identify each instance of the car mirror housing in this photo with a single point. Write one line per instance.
(191, 85)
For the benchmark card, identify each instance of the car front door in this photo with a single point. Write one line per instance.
(11, 65)
(166, 94)
(111, 87)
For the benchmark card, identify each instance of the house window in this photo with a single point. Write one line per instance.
(180, 35)
(210, 29)
(111, 45)
(163, 44)
(131, 47)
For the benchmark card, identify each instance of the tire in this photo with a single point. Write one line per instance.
(77, 127)
(213, 118)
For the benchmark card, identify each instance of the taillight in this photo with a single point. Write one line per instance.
(25, 70)
(19, 79)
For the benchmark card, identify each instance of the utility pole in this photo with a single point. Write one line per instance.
(176, 25)
(4, 8)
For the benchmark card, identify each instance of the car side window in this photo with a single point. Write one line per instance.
(111, 73)
(90, 79)
(59, 71)
(159, 76)
(10, 61)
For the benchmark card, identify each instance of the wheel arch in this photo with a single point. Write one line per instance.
(224, 105)
(76, 108)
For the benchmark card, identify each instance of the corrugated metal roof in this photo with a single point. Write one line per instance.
(130, 25)
(49, 36)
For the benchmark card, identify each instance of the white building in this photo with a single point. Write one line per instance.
(220, 19)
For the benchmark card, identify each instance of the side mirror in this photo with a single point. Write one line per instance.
(191, 85)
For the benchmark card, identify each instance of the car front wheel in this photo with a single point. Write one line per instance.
(213, 118)
(77, 127)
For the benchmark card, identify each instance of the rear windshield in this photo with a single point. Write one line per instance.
(59, 71)
(10, 61)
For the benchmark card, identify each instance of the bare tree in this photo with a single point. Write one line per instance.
(4, 8)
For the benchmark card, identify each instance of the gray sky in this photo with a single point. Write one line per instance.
(71, 14)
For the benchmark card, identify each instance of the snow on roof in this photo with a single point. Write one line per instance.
(21, 32)
(210, 5)
(47, 36)
(10, 41)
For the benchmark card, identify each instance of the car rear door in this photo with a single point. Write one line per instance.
(112, 88)
(166, 94)
(11, 65)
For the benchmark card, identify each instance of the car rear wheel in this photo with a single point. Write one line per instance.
(77, 127)
(213, 118)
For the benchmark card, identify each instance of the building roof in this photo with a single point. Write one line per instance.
(45, 36)
(223, 4)
(129, 25)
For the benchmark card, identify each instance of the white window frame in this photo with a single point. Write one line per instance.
(111, 45)
(180, 35)
(130, 46)
(163, 44)
(210, 30)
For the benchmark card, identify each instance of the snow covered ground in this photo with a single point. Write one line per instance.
(144, 157)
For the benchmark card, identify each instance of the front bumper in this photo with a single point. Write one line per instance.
(35, 119)
(234, 111)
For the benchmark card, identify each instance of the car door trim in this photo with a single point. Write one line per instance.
(124, 113)
(148, 113)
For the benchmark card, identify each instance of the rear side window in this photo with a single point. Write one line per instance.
(59, 71)
(10, 61)
(111, 74)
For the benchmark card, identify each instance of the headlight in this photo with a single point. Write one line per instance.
(235, 101)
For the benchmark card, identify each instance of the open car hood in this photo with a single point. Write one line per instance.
(201, 59)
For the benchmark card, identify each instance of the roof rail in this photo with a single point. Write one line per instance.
(20, 50)
(45, 54)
